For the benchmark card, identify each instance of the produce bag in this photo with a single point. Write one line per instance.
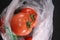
(42, 30)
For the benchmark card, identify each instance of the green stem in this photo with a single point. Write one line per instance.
(32, 17)
(28, 24)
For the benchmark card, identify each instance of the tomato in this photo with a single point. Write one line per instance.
(32, 15)
(23, 22)
(20, 24)
(28, 38)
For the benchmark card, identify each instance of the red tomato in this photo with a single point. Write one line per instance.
(32, 15)
(23, 22)
(20, 24)
(28, 38)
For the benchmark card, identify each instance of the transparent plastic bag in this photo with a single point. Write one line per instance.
(44, 27)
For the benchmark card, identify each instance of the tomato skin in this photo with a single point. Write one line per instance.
(30, 11)
(18, 24)
(28, 38)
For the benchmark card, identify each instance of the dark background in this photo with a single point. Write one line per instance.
(56, 18)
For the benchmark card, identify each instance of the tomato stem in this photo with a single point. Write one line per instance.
(28, 24)
(32, 17)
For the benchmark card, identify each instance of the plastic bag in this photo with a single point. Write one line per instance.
(44, 27)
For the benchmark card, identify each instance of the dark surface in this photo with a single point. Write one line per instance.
(56, 33)
(56, 19)
(3, 4)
